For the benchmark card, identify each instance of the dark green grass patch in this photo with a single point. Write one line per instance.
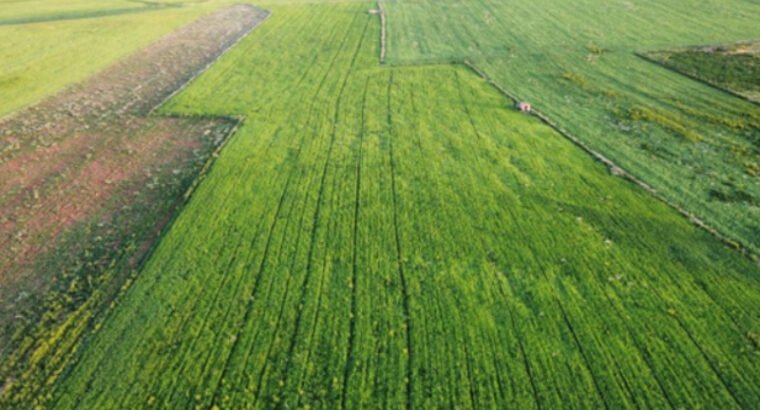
(735, 67)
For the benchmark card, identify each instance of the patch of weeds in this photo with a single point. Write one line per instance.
(594, 52)
(595, 49)
(730, 193)
(743, 123)
(752, 168)
(663, 119)
(576, 79)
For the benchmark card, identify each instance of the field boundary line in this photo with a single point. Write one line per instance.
(618, 171)
(643, 56)
(382, 31)
(410, 350)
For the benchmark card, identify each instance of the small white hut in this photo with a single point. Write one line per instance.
(524, 106)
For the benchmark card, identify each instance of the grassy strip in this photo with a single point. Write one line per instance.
(79, 15)
(42, 59)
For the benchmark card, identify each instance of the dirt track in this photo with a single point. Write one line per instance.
(87, 153)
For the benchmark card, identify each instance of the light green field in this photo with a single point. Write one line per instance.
(401, 237)
(575, 62)
(48, 45)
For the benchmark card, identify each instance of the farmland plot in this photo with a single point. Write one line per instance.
(575, 62)
(400, 237)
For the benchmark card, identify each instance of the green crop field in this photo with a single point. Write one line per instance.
(399, 236)
(47, 45)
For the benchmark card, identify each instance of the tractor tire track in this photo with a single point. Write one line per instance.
(519, 339)
(355, 252)
(583, 353)
(262, 372)
(213, 307)
(336, 121)
(702, 352)
(240, 279)
(226, 315)
(249, 304)
(643, 352)
(399, 256)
